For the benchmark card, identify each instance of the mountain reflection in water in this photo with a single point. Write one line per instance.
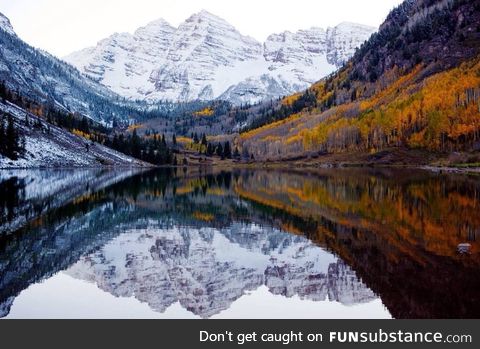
(206, 239)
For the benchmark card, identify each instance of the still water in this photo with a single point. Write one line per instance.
(339, 243)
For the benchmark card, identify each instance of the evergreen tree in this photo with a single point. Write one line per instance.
(3, 91)
(13, 143)
(3, 139)
(219, 150)
(210, 149)
(227, 151)
(84, 126)
(135, 145)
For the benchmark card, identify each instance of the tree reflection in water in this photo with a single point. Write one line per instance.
(351, 234)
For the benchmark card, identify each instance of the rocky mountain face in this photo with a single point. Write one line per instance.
(40, 77)
(207, 58)
(207, 269)
(5, 25)
(414, 84)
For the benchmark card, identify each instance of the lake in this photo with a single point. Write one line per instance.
(240, 243)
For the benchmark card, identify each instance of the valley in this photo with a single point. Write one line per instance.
(203, 94)
(185, 170)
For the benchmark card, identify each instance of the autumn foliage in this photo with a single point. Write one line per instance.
(439, 113)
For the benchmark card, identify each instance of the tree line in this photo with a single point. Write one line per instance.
(268, 115)
(222, 150)
(153, 149)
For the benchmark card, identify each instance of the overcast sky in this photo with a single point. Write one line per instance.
(63, 26)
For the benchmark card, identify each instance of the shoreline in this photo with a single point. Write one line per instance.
(267, 165)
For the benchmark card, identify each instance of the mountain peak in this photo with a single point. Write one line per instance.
(161, 23)
(156, 27)
(205, 58)
(205, 16)
(6, 25)
(350, 25)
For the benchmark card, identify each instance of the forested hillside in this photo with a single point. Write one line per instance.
(414, 84)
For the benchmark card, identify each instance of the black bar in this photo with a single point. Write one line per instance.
(186, 333)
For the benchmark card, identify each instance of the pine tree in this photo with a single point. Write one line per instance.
(3, 139)
(210, 149)
(219, 150)
(135, 145)
(3, 91)
(13, 145)
(227, 151)
(84, 125)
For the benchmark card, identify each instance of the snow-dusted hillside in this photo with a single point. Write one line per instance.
(50, 146)
(206, 270)
(6, 25)
(43, 78)
(207, 58)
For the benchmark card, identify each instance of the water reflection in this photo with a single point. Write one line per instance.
(203, 240)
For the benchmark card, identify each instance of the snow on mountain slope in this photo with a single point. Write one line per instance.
(50, 146)
(206, 58)
(205, 270)
(41, 77)
(343, 39)
(5, 25)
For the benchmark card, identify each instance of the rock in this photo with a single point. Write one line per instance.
(464, 248)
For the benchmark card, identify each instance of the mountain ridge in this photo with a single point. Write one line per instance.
(206, 58)
(38, 76)
(413, 86)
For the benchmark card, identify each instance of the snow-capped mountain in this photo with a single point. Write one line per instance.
(43, 78)
(206, 270)
(207, 58)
